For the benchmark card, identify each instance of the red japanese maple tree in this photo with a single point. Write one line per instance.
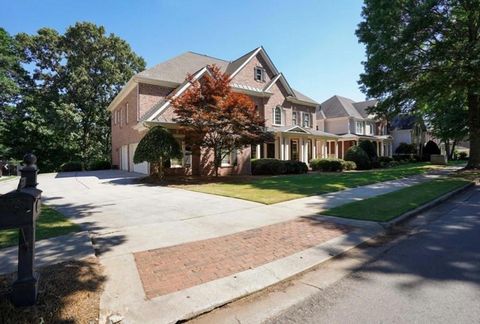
(216, 118)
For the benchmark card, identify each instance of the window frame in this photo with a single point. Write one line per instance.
(262, 74)
(360, 130)
(306, 120)
(275, 116)
(294, 118)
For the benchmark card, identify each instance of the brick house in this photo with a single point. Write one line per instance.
(302, 130)
(144, 102)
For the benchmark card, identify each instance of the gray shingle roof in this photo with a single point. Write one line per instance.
(176, 69)
(338, 106)
(363, 106)
(303, 97)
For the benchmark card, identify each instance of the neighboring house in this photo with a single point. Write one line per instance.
(290, 115)
(409, 129)
(352, 123)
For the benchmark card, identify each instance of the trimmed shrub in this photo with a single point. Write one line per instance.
(359, 156)
(348, 165)
(405, 148)
(462, 155)
(326, 165)
(392, 164)
(369, 148)
(385, 159)
(295, 167)
(71, 166)
(268, 167)
(100, 165)
(430, 148)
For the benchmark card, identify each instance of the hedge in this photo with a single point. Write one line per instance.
(275, 167)
(100, 165)
(332, 165)
(359, 156)
(71, 166)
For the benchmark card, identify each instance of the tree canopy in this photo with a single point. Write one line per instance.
(61, 112)
(216, 118)
(422, 54)
(156, 147)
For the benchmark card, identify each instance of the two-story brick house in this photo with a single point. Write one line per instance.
(352, 123)
(290, 115)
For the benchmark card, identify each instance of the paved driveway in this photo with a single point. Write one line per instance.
(106, 202)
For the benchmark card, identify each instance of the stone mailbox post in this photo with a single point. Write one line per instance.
(19, 209)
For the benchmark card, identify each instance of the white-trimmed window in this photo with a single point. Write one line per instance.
(259, 74)
(277, 115)
(360, 127)
(229, 159)
(369, 129)
(306, 120)
(294, 118)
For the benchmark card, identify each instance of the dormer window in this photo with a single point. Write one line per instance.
(294, 118)
(259, 74)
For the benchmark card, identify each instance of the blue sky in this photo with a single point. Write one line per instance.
(311, 41)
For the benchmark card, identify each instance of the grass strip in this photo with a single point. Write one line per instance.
(388, 206)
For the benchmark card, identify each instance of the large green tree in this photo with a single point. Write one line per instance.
(418, 50)
(62, 114)
(12, 78)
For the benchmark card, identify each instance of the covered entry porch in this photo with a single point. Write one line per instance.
(297, 143)
(383, 144)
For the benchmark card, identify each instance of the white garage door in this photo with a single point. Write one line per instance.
(137, 167)
(124, 158)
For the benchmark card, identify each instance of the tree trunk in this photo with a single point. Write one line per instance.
(216, 164)
(474, 128)
(452, 150)
(447, 148)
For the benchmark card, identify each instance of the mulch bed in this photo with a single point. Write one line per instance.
(69, 292)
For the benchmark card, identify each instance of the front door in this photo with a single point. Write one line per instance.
(294, 151)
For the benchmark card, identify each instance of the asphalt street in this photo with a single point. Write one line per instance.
(432, 276)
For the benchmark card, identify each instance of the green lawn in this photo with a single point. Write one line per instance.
(270, 190)
(49, 224)
(386, 207)
(3, 178)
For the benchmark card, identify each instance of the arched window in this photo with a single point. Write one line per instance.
(277, 116)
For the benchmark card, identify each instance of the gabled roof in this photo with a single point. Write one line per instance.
(338, 106)
(175, 70)
(172, 74)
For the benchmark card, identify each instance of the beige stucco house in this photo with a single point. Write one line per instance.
(352, 123)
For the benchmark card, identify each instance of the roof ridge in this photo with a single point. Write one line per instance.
(201, 54)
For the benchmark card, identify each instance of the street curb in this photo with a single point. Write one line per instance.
(402, 218)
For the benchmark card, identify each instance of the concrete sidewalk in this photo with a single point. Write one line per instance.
(73, 246)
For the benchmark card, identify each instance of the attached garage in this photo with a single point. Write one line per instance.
(143, 167)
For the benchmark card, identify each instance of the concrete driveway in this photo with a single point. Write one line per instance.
(110, 204)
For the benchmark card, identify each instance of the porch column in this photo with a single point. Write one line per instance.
(287, 148)
(305, 150)
(343, 149)
(258, 152)
(390, 151)
(381, 148)
(378, 148)
(282, 148)
(314, 149)
(301, 150)
(325, 149)
(264, 150)
(336, 149)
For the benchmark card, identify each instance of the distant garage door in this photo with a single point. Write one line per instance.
(137, 167)
(124, 158)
